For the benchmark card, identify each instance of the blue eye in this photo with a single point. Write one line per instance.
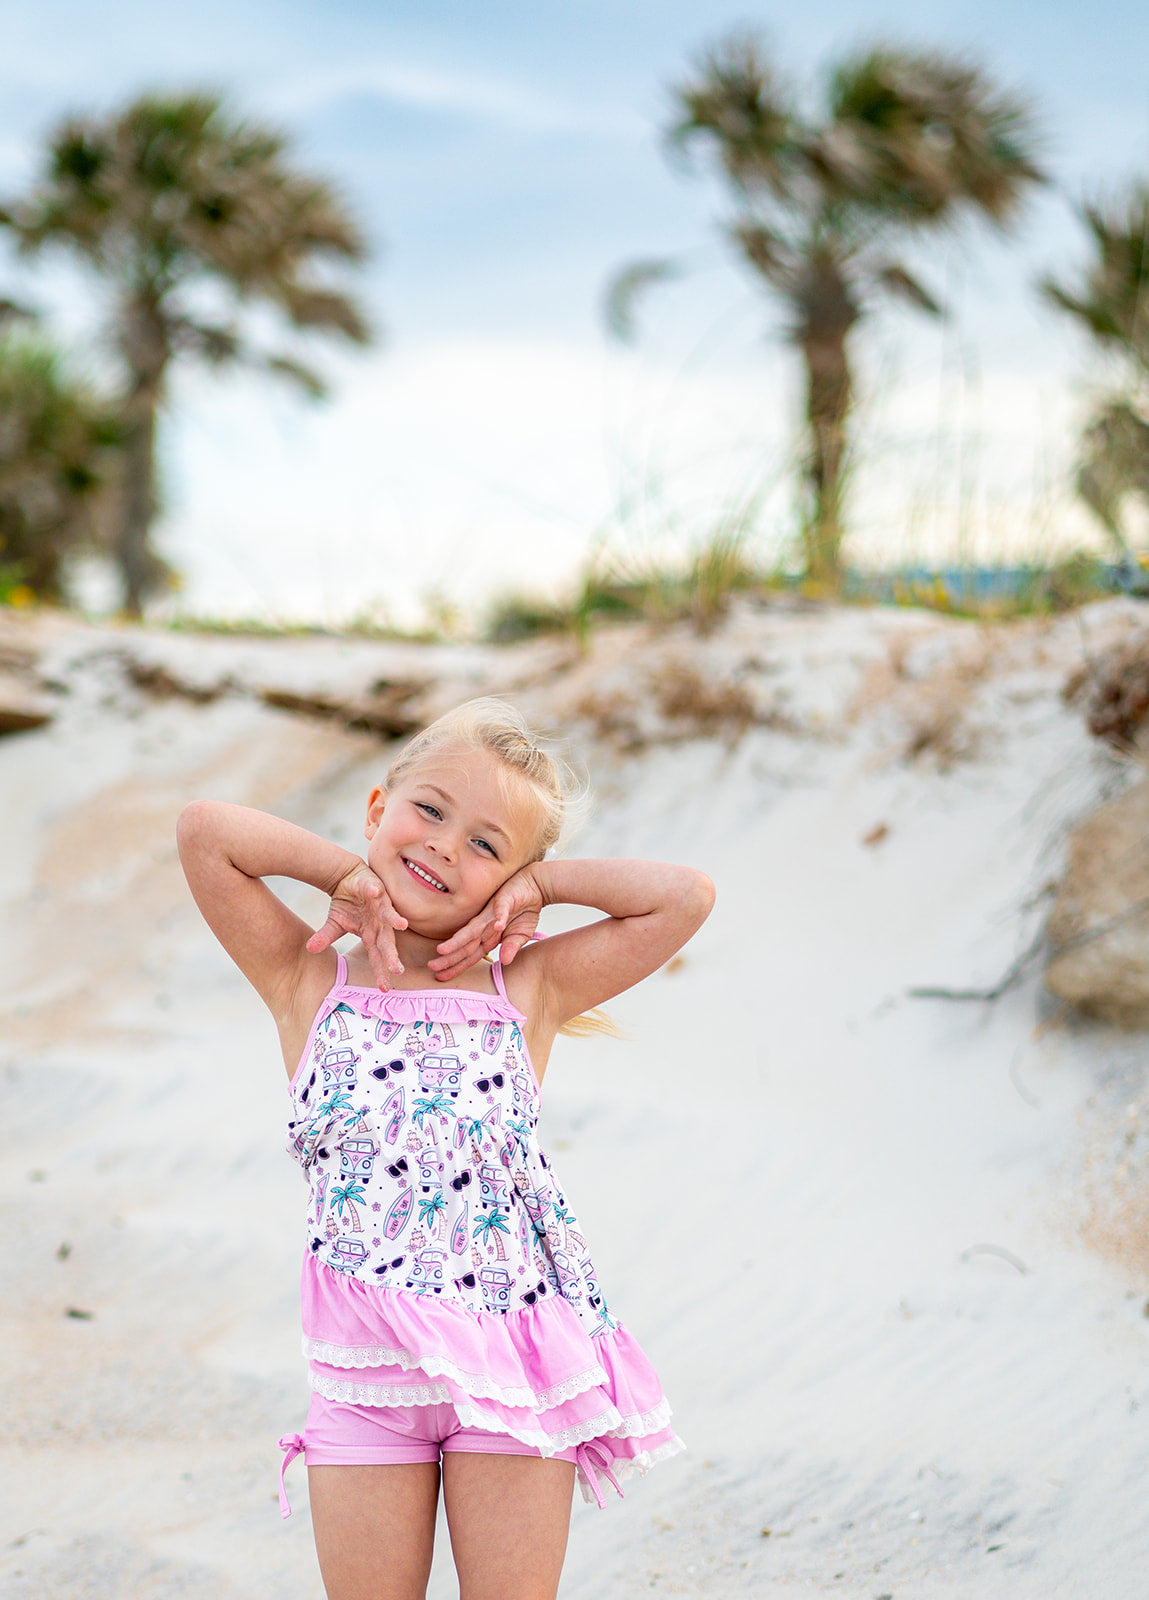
(489, 848)
(431, 811)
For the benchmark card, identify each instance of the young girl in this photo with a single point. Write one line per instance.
(452, 1316)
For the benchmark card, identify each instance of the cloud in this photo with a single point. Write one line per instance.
(444, 89)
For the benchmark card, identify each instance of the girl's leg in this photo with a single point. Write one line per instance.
(374, 1529)
(508, 1517)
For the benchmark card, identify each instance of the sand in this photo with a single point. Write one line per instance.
(888, 1253)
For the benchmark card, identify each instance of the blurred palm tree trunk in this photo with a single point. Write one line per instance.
(827, 315)
(146, 352)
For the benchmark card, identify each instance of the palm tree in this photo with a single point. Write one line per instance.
(573, 1237)
(429, 1212)
(436, 1105)
(519, 1130)
(492, 1223)
(345, 1194)
(58, 438)
(176, 204)
(339, 1100)
(904, 143)
(1113, 306)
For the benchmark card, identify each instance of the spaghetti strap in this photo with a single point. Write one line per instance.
(497, 969)
(340, 970)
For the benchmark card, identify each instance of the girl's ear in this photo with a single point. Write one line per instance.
(376, 801)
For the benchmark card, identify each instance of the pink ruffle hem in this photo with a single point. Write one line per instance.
(534, 1373)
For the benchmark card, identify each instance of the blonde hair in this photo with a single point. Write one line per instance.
(494, 725)
(489, 724)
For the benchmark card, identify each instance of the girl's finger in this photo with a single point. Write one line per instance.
(381, 968)
(385, 948)
(459, 941)
(323, 937)
(512, 944)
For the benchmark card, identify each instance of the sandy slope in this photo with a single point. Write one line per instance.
(790, 1171)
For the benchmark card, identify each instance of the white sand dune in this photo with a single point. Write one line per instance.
(887, 1252)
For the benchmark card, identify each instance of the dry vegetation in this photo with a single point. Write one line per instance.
(928, 680)
(1113, 690)
(672, 701)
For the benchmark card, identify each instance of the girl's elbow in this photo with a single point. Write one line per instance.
(195, 825)
(700, 896)
(191, 814)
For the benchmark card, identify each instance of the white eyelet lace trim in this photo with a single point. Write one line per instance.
(652, 1421)
(380, 1394)
(478, 1385)
(613, 1425)
(608, 1424)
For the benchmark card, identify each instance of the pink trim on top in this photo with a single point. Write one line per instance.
(500, 985)
(444, 995)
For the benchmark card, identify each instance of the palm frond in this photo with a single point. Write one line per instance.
(901, 283)
(766, 252)
(627, 287)
(1113, 301)
(219, 345)
(930, 136)
(1114, 463)
(738, 104)
(324, 311)
(297, 372)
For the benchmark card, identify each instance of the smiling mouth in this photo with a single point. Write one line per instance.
(424, 876)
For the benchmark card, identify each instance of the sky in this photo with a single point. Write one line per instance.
(505, 161)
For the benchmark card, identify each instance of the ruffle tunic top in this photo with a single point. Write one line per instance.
(444, 1262)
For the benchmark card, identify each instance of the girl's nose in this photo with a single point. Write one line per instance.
(444, 845)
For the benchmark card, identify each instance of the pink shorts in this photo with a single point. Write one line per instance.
(339, 1435)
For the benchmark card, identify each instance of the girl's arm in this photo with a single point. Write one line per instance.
(227, 850)
(652, 909)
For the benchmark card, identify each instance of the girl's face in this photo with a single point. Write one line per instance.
(447, 835)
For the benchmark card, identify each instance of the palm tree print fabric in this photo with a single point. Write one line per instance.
(444, 1264)
(415, 1123)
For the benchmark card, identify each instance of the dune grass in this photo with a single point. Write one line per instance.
(702, 591)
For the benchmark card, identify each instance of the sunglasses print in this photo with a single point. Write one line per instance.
(461, 1181)
(381, 1073)
(483, 1084)
(397, 1167)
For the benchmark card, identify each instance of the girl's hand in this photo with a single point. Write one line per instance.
(508, 919)
(361, 905)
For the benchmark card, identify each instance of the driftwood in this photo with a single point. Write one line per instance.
(387, 710)
(22, 705)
